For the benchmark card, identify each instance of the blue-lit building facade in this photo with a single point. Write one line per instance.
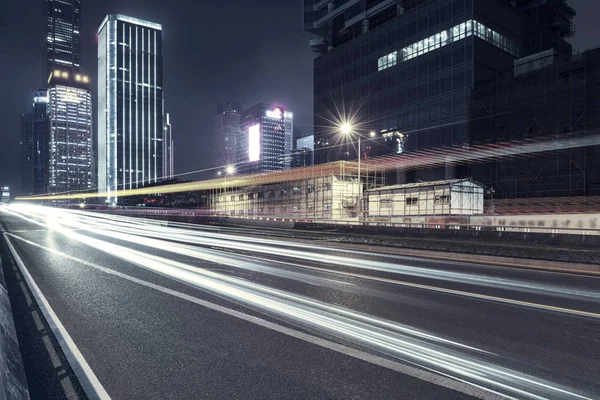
(130, 104)
(260, 143)
(408, 69)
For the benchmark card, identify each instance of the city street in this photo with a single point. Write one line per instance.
(179, 311)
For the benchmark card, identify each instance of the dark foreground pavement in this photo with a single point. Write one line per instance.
(174, 312)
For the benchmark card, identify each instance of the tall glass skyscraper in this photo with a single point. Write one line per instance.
(227, 125)
(69, 133)
(63, 39)
(130, 104)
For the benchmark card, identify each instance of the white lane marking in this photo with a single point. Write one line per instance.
(438, 378)
(87, 379)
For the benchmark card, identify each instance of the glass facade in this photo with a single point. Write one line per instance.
(130, 132)
(264, 150)
(433, 54)
(34, 146)
(63, 39)
(227, 125)
(69, 136)
(409, 71)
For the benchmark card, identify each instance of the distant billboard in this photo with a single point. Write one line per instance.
(254, 143)
(275, 113)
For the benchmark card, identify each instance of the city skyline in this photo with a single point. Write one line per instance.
(189, 139)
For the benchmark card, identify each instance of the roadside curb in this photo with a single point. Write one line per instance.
(13, 382)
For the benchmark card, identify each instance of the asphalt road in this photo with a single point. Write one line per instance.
(192, 312)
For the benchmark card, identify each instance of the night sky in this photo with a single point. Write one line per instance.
(247, 51)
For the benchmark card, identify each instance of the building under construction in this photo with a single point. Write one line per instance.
(545, 95)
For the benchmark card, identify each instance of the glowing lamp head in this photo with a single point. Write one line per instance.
(230, 169)
(346, 128)
(372, 133)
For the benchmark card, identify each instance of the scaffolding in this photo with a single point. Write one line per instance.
(557, 101)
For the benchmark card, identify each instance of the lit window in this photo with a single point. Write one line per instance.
(448, 36)
(387, 61)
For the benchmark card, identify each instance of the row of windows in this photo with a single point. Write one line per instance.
(444, 38)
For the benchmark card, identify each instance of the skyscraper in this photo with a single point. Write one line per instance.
(63, 39)
(288, 122)
(261, 139)
(40, 141)
(130, 104)
(407, 69)
(34, 146)
(69, 133)
(26, 164)
(227, 125)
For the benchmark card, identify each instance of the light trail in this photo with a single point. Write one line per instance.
(448, 357)
(416, 160)
(120, 229)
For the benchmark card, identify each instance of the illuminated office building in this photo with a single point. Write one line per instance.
(288, 121)
(260, 141)
(69, 113)
(130, 104)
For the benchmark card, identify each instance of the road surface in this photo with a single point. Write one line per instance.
(189, 312)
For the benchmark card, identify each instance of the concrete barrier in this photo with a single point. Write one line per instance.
(13, 383)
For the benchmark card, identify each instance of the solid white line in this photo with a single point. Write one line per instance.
(87, 379)
(436, 378)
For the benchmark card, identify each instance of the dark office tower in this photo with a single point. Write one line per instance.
(34, 146)
(26, 164)
(130, 104)
(261, 139)
(40, 141)
(227, 125)
(63, 39)
(406, 69)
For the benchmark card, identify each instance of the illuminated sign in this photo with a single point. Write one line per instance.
(254, 143)
(275, 113)
(288, 115)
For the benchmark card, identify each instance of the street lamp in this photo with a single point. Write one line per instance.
(229, 170)
(348, 130)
